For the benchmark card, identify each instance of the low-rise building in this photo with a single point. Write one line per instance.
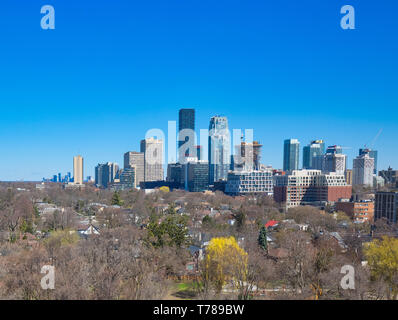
(359, 211)
(244, 182)
(302, 187)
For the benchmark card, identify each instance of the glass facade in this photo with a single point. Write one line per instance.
(291, 154)
(219, 149)
(309, 153)
(186, 120)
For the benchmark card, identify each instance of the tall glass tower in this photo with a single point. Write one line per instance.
(291, 153)
(219, 149)
(315, 148)
(186, 120)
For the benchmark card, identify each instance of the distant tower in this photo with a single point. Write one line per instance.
(153, 159)
(78, 170)
(186, 120)
(247, 157)
(372, 154)
(363, 167)
(135, 160)
(315, 148)
(291, 153)
(219, 149)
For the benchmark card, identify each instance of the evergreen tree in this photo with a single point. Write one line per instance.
(262, 239)
(116, 200)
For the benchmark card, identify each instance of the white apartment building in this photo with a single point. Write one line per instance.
(363, 168)
(254, 181)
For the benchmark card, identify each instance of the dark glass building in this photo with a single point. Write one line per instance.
(186, 120)
(127, 178)
(291, 152)
(197, 174)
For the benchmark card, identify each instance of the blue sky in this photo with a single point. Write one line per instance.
(111, 70)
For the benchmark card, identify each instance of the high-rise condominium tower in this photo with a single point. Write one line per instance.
(135, 160)
(315, 148)
(186, 129)
(372, 154)
(105, 174)
(153, 159)
(247, 156)
(78, 170)
(363, 167)
(291, 153)
(219, 149)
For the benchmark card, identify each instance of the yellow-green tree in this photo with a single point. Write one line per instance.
(164, 189)
(225, 260)
(382, 256)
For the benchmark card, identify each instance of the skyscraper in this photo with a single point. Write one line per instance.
(219, 149)
(153, 159)
(247, 156)
(291, 153)
(186, 120)
(315, 148)
(334, 163)
(78, 170)
(372, 154)
(105, 174)
(133, 159)
(363, 167)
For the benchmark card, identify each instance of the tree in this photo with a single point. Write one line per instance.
(171, 209)
(116, 200)
(262, 239)
(225, 260)
(382, 256)
(296, 268)
(240, 218)
(171, 231)
(164, 189)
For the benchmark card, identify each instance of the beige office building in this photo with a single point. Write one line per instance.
(153, 158)
(135, 160)
(78, 170)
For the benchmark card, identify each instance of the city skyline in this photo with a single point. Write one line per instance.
(129, 67)
(90, 171)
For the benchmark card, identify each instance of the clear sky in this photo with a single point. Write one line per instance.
(111, 70)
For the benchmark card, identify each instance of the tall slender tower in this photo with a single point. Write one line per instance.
(78, 170)
(219, 149)
(291, 152)
(186, 129)
(315, 148)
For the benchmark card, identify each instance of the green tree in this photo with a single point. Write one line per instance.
(171, 231)
(240, 218)
(208, 222)
(171, 209)
(116, 200)
(262, 239)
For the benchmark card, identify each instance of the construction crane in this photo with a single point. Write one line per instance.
(373, 141)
